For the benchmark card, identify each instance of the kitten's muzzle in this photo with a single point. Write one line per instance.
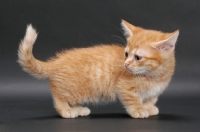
(126, 65)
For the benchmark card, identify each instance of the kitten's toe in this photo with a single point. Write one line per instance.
(143, 113)
(153, 110)
(82, 111)
(140, 113)
(70, 113)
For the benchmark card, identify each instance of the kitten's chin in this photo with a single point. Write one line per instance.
(139, 72)
(142, 71)
(136, 72)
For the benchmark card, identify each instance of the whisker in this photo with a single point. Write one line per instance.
(122, 72)
(119, 30)
(120, 39)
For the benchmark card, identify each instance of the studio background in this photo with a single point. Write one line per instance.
(65, 24)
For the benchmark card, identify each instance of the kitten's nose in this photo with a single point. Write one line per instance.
(127, 64)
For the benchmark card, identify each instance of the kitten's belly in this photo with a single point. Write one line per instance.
(153, 90)
(102, 91)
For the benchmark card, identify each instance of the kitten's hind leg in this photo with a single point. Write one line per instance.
(82, 111)
(150, 106)
(64, 109)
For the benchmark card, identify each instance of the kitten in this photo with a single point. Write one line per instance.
(105, 72)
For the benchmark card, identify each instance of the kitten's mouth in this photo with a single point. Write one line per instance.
(128, 69)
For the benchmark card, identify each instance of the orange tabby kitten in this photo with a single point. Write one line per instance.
(105, 72)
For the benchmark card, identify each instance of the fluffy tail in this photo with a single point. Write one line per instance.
(26, 59)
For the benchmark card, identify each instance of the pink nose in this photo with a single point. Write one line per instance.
(127, 64)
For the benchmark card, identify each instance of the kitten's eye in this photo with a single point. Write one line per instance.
(137, 58)
(126, 54)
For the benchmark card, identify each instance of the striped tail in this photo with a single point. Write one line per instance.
(26, 59)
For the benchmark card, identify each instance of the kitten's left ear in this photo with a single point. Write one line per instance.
(167, 44)
(128, 28)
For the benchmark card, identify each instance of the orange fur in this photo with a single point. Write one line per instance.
(100, 73)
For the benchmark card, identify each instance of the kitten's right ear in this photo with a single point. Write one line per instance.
(127, 27)
(167, 44)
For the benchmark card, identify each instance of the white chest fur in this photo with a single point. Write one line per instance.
(152, 90)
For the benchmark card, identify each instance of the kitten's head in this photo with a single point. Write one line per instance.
(147, 50)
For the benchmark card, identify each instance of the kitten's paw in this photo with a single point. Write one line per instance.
(82, 111)
(70, 113)
(139, 113)
(153, 110)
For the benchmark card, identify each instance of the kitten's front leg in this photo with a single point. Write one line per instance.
(133, 105)
(150, 106)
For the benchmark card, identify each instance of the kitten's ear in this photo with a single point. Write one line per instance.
(128, 28)
(167, 44)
